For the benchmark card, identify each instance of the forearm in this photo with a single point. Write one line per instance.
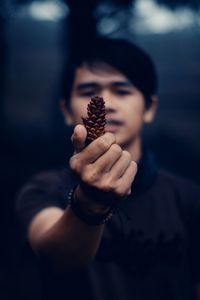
(70, 242)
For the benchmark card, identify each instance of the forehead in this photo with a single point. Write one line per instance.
(101, 73)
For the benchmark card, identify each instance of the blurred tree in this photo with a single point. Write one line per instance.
(81, 24)
(82, 20)
(194, 4)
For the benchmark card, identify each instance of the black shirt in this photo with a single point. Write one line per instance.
(150, 249)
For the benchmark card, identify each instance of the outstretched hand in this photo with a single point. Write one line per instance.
(102, 164)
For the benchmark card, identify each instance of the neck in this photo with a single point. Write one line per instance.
(135, 149)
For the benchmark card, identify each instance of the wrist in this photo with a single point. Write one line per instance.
(88, 204)
(88, 215)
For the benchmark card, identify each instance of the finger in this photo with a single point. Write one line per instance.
(119, 168)
(108, 159)
(78, 138)
(127, 179)
(97, 148)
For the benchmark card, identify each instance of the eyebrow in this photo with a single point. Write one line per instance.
(121, 83)
(82, 86)
(86, 85)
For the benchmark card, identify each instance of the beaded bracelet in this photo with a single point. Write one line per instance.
(95, 219)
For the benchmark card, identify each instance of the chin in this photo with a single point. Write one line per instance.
(123, 141)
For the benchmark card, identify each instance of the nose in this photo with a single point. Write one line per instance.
(109, 101)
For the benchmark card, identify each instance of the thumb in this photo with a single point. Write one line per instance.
(78, 137)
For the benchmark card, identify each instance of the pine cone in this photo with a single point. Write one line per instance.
(96, 119)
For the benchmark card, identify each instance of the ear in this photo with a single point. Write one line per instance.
(151, 110)
(66, 113)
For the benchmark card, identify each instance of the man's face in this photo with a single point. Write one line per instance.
(125, 105)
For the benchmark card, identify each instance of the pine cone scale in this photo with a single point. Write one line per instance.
(96, 119)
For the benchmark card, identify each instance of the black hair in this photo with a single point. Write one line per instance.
(125, 57)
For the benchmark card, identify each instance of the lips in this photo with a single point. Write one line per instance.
(114, 122)
(113, 125)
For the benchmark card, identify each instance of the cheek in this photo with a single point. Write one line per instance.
(79, 109)
(135, 115)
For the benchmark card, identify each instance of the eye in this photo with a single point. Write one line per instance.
(122, 92)
(88, 94)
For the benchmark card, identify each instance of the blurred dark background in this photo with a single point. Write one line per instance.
(35, 38)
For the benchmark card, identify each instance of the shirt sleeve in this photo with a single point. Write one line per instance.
(43, 190)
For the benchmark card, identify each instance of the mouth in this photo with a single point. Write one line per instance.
(113, 125)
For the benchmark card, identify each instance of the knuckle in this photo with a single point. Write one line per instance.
(134, 166)
(85, 177)
(93, 177)
(115, 187)
(106, 186)
(102, 144)
(120, 192)
(112, 186)
(89, 176)
(74, 163)
(105, 141)
(116, 149)
(126, 155)
(110, 137)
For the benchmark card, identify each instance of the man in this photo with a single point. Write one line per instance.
(149, 248)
